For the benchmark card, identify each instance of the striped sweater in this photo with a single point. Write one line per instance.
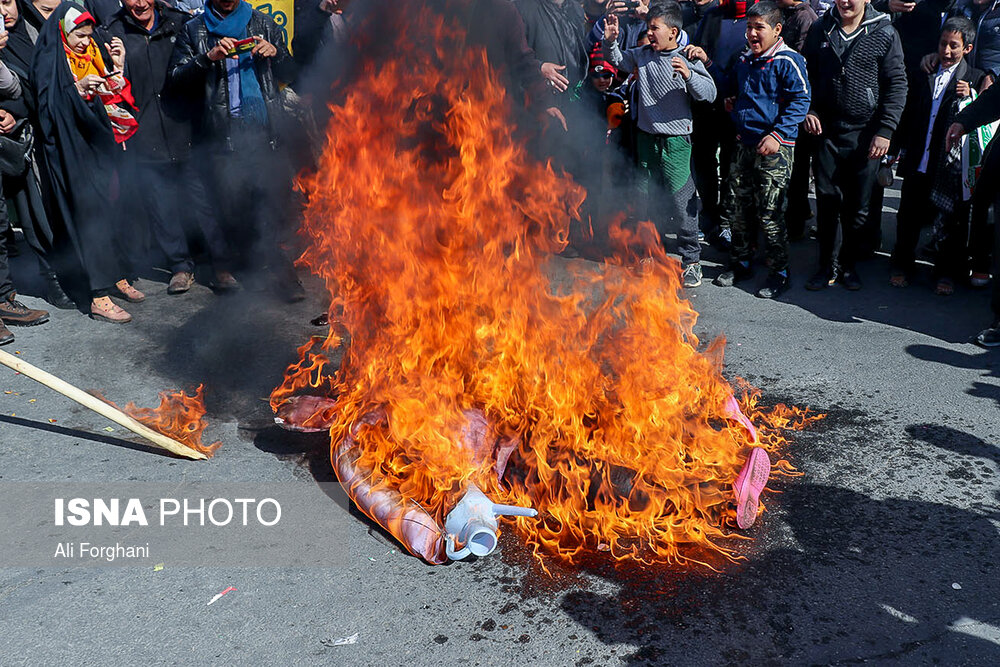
(663, 97)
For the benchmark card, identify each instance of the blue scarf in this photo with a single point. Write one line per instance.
(235, 25)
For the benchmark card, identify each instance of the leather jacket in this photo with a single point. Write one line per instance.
(193, 76)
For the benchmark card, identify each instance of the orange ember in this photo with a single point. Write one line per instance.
(434, 231)
(178, 416)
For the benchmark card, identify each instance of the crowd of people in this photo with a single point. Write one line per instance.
(727, 111)
(177, 126)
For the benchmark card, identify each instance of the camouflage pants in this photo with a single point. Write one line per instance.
(760, 185)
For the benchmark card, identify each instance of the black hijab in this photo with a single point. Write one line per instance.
(20, 47)
(80, 154)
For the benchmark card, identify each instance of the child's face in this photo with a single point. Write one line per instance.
(760, 35)
(851, 9)
(78, 40)
(951, 48)
(662, 37)
(601, 80)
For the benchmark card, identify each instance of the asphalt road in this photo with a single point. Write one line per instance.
(884, 551)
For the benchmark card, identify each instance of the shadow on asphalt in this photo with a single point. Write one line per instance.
(865, 574)
(84, 435)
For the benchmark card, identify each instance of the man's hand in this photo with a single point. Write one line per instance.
(89, 85)
(552, 74)
(222, 49)
(116, 49)
(263, 48)
(611, 28)
(696, 53)
(555, 113)
(7, 121)
(878, 149)
(929, 63)
(812, 124)
(681, 67)
(901, 7)
(621, 7)
(954, 136)
(963, 89)
(768, 146)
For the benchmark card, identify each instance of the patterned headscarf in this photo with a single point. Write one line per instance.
(111, 92)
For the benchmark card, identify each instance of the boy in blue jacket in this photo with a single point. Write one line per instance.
(770, 99)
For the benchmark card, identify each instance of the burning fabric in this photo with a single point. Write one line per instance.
(473, 385)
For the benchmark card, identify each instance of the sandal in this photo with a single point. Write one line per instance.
(899, 280)
(105, 309)
(129, 293)
(945, 287)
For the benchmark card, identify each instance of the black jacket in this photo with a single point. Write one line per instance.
(557, 34)
(984, 110)
(191, 74)
(163, 134)
(913, 128)
(858, 84)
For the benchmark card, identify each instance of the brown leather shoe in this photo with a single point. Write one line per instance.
(180, 282)
(125, 291)
(15, 313)
(225, 282)
(109, 311)
(5, 335)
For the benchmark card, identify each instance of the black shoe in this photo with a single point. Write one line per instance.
(851, 280)
(775, 286)
(821, 279)
(732, 276)
(987, 337)
(55, 294)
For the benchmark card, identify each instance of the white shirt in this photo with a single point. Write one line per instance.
(941, 81)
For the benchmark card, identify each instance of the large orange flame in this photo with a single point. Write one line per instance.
(434, 231)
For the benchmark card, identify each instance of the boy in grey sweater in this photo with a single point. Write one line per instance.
(666, 82)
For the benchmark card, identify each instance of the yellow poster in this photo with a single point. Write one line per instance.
(283, 13)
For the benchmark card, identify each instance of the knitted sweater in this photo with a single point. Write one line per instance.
(663, 97)
(858, 81)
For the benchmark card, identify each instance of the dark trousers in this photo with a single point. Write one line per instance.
(713, 143)
(916, 210)
(980, 234)
(995, 296)
(175, 200)
(759, 186)
(666, 189)
(26, 194)
(6, 286)
(844, 180)
(251, 188)
(797, 211)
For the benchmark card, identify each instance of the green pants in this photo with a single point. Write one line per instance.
(666, 189)
(760, 183)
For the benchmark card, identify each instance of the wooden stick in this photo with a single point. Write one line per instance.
(98, 406)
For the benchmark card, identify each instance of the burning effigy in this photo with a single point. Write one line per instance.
(480, 376)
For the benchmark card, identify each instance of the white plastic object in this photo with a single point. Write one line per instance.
(471, 526)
